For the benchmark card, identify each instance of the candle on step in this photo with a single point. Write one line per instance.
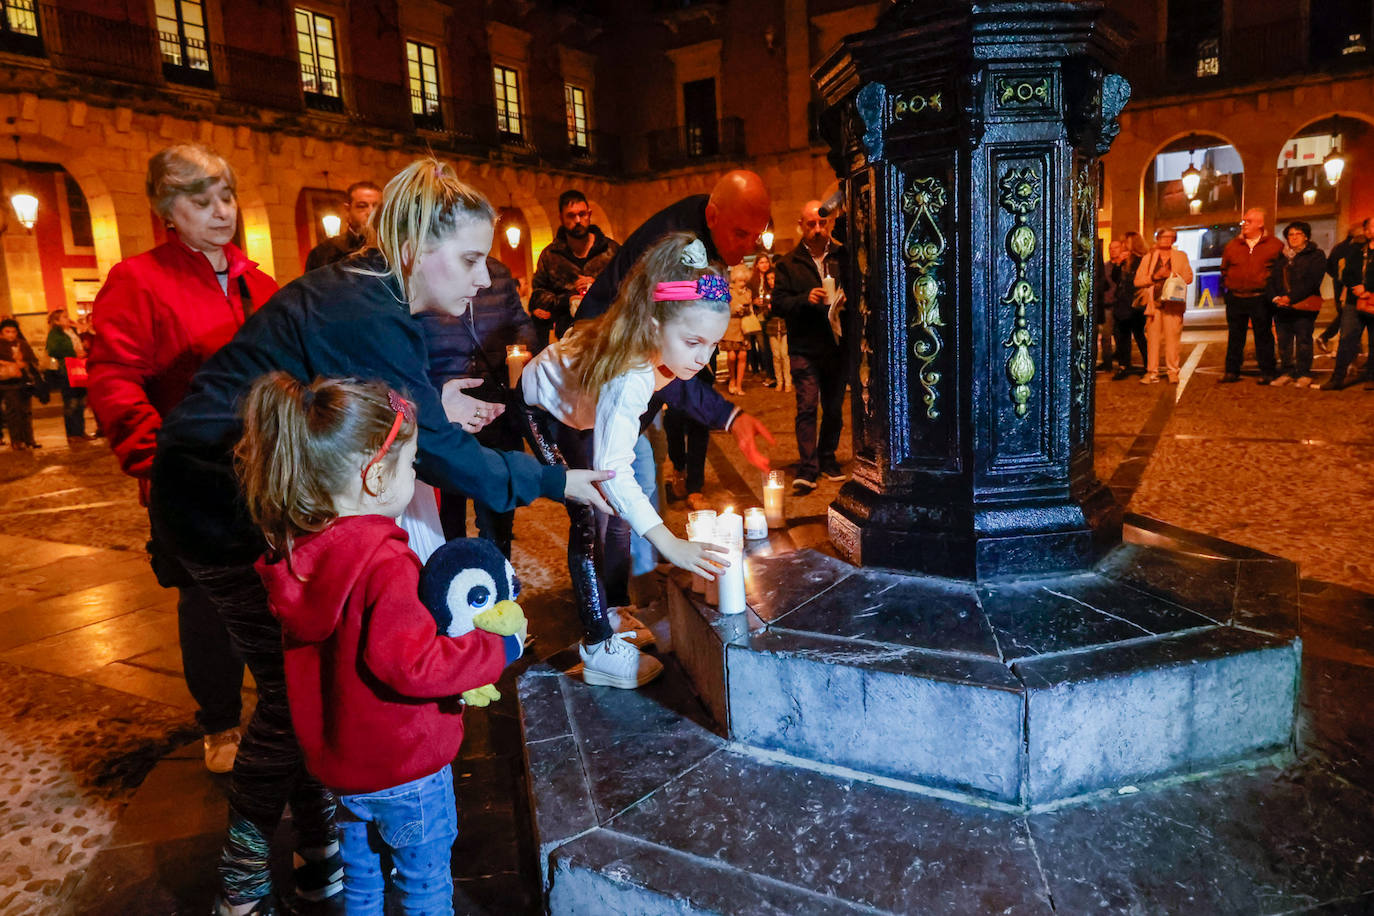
(773, 500)
(730, 582)
(755, 524)
(701, 529)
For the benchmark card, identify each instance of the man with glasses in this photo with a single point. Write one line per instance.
(1245, 266)
(568, 267)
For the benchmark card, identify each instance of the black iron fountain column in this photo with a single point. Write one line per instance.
(968, 137)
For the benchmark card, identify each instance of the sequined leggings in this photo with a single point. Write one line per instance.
(554, 443)
(268, 772)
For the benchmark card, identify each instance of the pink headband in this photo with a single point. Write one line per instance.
(710, 287)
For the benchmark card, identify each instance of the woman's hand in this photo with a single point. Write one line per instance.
(471, 413)
(582, 487)
(703, 559)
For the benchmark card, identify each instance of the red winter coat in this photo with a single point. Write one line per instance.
(373, 688)
(159, 316)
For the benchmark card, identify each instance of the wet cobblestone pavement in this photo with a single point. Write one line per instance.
(92, 822)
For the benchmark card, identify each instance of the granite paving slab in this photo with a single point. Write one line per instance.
(777, 585)
(839, 838)
(883, 607)
(1251, 843)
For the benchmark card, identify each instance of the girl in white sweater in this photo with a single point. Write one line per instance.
(586, 397)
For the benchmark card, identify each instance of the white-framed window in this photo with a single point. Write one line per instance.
(575, 102)
(182, 38)
(509, 116)
(319, 57)
(422, 72)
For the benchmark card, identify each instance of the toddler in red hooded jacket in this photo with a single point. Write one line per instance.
(373, 687)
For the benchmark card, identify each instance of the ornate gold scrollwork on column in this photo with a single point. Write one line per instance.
(924, 201)
(1085, 254)
(1020, 195)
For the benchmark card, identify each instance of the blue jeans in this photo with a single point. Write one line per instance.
(1354, 325)
(414, 824)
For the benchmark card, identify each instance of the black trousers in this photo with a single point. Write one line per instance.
(687, 444)
(497, 527)
(1124, 330)
(819, 382)
(553, 443)
(269, 771)
(1257, 312)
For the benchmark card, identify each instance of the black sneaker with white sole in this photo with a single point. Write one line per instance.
(803, 485)
(834, 472)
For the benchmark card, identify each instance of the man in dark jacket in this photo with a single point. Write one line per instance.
(472, 347)
(363, 198)
(1246, 263)
(1358, 280)
(568, 267)
(1335, 265)
(807, 294)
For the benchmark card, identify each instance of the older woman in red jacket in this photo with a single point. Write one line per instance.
(160, 315)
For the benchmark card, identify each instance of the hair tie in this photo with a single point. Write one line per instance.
(694, 255)
(709, 287)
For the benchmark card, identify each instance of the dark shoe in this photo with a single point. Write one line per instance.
(1266, 379)
(1323, 344)
(1119, 374)
(1228, 378)
(1335, 384)
(770, 384)
(833, 472)
(802, 486)
(319, 880)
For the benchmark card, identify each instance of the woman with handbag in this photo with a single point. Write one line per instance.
(1162, 280)
(19, 379)
(69, 353)
(1295, 284)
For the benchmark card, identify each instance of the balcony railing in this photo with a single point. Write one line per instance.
(681, 146)
(82, 43)
(1262, 54)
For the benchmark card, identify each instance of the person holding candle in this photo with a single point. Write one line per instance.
(468, 352)
(806, 296)
(586, 399)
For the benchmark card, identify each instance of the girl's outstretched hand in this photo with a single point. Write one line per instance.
(704, 559)
(745, 429)
(582, 487)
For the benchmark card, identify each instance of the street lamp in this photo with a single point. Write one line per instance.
(767, 237)
(22, 199)
(330, 218)
(513, 235)
(1191, 179)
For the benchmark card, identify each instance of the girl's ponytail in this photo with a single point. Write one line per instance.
(304, 443)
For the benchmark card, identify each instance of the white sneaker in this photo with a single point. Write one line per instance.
(616, 663)
(1281, 381)
(220, 750)
(623, 620)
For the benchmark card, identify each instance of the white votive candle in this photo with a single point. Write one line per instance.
(701, 529)
(730, 582)
(828, 284)
(755, 524)
(773, 508)
(516, 357)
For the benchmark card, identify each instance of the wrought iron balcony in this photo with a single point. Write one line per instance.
(124, 52)
(681, 146)
(1245, 56)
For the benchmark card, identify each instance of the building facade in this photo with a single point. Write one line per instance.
(636, 102)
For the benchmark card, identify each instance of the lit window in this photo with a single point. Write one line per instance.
(508, 115)
(1208, 57)
(19, 17)
(319, 58)
(575, 100)
(181, 37)
(422, 68)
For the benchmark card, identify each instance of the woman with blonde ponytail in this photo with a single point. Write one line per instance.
(352, 319)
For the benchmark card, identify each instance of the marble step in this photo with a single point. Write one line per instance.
(1021, 693)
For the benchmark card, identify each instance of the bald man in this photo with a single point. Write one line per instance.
(813, 345)
(1245, 265)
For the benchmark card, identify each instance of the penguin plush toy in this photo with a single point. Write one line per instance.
(468, 584)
